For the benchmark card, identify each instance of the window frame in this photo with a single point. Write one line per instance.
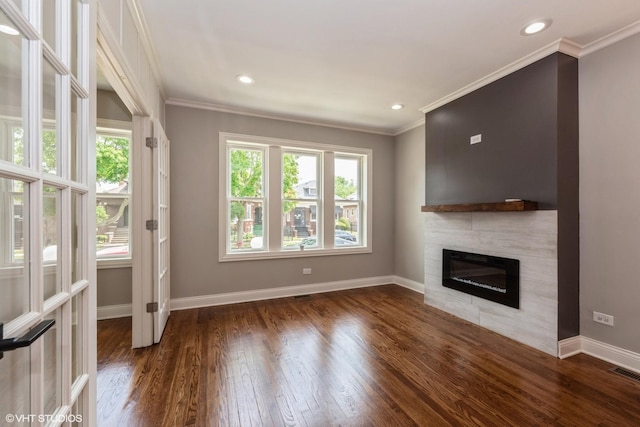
(273, 197)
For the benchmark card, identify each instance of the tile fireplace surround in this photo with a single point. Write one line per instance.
(530, 237)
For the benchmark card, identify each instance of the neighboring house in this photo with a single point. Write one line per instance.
(114, 199)
(301, 221)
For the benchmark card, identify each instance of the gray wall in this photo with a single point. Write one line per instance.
(409, 198)
(111, 107)
(195, 269)
(114, 286)
(610, 192)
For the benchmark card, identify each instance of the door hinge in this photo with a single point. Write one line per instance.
(152, 307)
(152, 224)
(151, 142)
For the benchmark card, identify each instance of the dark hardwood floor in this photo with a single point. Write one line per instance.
(367, 357)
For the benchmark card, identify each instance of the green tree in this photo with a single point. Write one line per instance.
(246, 182)
(343, 224)
(112, 166)
(289, 180)
(344, 187)
(112, 159)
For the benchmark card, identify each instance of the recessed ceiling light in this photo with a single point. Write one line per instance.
(243, 78)
(397, 106)
(535, 27)
(9, 30)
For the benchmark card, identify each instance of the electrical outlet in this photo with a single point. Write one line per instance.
(475, 139)
(605, 319)
(306, 270)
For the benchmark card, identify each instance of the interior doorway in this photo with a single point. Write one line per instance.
(114, 189)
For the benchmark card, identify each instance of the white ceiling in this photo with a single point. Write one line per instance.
(344, 62)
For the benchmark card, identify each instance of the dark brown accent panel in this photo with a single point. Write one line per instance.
(568, 200)
(517, 158)
(529, 150)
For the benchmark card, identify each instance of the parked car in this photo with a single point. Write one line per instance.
(50, 254)
(113, 252)
(346, 235)
(310, 242)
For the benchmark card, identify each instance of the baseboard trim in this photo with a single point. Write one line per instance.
(282, 292)
(569, 347)
(409, 284)
(609, 353)
(114, 311)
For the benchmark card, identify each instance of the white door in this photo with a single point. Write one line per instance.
(47, 212)
(161, 277)
(150, 245)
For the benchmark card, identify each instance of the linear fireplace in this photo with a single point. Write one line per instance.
(493, 278)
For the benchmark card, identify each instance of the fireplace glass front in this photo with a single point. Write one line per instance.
(493, 278)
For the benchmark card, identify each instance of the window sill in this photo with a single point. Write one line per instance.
(259, 255)
(105, 264)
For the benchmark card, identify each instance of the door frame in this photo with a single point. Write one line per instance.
(113, 65)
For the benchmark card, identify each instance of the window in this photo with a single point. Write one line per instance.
(112, 194)
(289, 198)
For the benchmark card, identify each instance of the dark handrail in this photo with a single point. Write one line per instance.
(26, 340)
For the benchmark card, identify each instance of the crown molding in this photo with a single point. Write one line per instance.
(264, 115)
(563, 45)
(409, 126)
(608, 40)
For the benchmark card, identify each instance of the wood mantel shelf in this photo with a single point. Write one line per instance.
(516, 206)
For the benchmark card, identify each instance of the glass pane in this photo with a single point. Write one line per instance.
(49, 143)
(76, 229)
(15, 390)
(74, 130)
(347, 216)
(299, 225)
(299, 176)
(76, 337)
(14, 235)
(74, 38)
(112, 219)
(246, 225)
(246, 173)
(11, 136)
(52, 342)
(50, 241)
(49, 22)
(112, 210)
(347, 172)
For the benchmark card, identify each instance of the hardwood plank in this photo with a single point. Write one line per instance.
(374, 356)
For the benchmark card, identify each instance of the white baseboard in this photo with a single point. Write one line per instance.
(609, 353)
(409, 284)
(569, 347)
(114, 311)
(285, 291)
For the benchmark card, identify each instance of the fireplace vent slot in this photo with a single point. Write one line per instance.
(626, 373)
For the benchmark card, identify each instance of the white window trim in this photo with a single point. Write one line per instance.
(273, 204)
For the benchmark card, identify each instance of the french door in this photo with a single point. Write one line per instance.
(151, 250)
(47, 212)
